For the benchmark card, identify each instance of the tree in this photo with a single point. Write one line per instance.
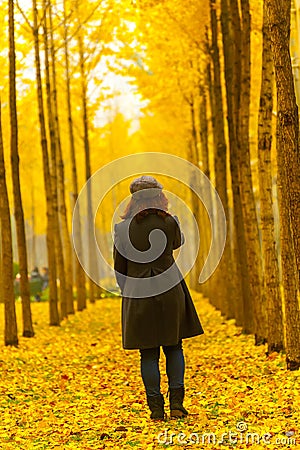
(288, 172)
(231, 37)
(62, 209)
(229, 283)
(53, 307)
(18, 206)
(271, 269)
(254, 261)
(92, 262)
(59, 254)
(7, 286)
(205, 167)
(79, 273)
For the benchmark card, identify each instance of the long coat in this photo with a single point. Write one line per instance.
(161, 319)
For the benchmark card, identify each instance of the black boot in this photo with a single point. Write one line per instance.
(156, 405)
(176, 399)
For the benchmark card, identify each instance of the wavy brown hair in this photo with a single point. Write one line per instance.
(141, 207)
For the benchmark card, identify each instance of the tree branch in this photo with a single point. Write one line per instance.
(24, 15)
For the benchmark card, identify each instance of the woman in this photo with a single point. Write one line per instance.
(166, 317)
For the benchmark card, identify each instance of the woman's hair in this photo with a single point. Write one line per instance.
(141, 207)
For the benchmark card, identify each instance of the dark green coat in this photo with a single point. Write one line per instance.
(162, 319)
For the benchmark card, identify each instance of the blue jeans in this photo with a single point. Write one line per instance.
(150, 367)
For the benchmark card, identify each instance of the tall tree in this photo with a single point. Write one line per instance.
(60, 260)
(287, 114)
(62, 210)
(205, 167)
(18, 206)
(230, 284)
(88, 172)
(7, 286)
(53, 305)
(231, 37)
(254, 260)
(271, 269)
(79, 273)
(288, 172)
(194, 157)
(92, 265)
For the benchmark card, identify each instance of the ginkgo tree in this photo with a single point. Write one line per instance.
(99, 80)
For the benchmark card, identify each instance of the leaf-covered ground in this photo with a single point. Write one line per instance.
(75, 387)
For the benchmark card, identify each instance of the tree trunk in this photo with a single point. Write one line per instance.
(59, 256)
(194, 273)
(79, 273)
(33, 242)
(193, 157)
(62, 210)
(18, 206)
(7, 282)
(1, 265)
(246, 189)
(289, 281)
(288, 172)
(232, 81)
(93, 269)
(271, 269)
(287, 112)
(228, 277)
(204, 165)
(53, 307)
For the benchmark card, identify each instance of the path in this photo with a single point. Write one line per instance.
(75, 387)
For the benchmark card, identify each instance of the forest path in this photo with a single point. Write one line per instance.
(75, 387)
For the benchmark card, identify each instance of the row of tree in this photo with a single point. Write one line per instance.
(194, 71)
(263, 303)
(39, 23)
(257, 281)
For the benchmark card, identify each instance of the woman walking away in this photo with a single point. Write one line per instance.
(155, 313)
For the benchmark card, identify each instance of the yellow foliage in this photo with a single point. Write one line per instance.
(144, 61)
(75, 387)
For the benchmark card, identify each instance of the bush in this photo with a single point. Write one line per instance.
(16, 268)
(35, 287)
